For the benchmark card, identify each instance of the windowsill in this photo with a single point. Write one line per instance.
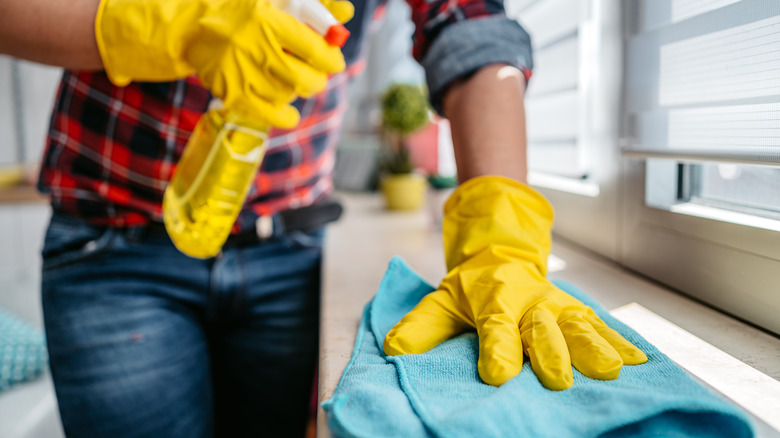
(614, 286)
(22, 193)
(723, 215)
(563, 184)
(361, 244)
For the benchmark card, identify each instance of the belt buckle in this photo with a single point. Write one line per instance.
(264, 227)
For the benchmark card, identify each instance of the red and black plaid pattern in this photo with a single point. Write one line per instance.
(111, 151)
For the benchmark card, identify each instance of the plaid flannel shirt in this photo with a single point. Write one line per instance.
(112, 150)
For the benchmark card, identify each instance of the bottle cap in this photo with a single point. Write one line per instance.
(337, 35)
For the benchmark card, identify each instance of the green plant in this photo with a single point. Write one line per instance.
(397, 161)
(404, 111)
(404, 108)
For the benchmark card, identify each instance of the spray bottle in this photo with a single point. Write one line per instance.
(221, 159)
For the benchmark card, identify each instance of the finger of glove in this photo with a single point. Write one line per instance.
(430, 323)
(240, 79)
(590, 353)
(342, 10)
(629, 353)
(263, 101)
(270, 89)
(305, 80)
(547, 350)
(280, 115)
(500, 348)
(303, 42)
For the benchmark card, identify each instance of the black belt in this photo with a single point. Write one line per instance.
(298, 219)
(304, 219)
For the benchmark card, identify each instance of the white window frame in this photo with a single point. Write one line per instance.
(732, 266)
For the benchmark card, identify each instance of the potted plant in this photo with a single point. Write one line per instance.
(404, 111)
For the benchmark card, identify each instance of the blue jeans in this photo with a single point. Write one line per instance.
(146, 342)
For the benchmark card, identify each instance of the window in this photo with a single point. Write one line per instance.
(572, 110)
(654, 130)
(555, 95)
(701, 208)
(753, 190)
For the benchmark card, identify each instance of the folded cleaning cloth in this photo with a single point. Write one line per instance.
(440, 394)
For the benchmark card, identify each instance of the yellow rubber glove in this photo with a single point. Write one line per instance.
(496, 242)
(253, 56)
(342, 10)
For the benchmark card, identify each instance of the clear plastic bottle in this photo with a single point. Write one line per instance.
(222, 156)
(211, 182)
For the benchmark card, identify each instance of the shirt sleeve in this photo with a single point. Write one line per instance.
(455, 38)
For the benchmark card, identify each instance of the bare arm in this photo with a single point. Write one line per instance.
(55, 32)
(488, 123)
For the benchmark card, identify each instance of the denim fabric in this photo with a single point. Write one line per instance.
(146, 342)
(464, 47)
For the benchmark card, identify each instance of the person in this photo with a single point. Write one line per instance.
(144, 341)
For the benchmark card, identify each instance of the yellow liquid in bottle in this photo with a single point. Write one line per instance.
(212, 179)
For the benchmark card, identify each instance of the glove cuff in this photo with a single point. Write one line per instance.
(493, 214)
(132, 45)
(115, 78)
(493, 185)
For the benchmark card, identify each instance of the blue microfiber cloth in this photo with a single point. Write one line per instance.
(440, 394)
(22, 351)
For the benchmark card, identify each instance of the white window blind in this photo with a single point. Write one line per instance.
(703, 81)
(684, 9)
(556, 96)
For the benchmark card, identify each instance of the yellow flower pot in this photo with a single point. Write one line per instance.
(404, 191)
(11, 175)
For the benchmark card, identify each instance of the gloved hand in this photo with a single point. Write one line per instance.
(496, 242)
(250, 54)
(342, 10)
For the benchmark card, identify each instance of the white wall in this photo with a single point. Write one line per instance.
(37, 88)
(26, 97)
(21, 233)
(389, 59)
(8, 145)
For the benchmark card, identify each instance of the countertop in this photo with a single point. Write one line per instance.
(360, 245)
